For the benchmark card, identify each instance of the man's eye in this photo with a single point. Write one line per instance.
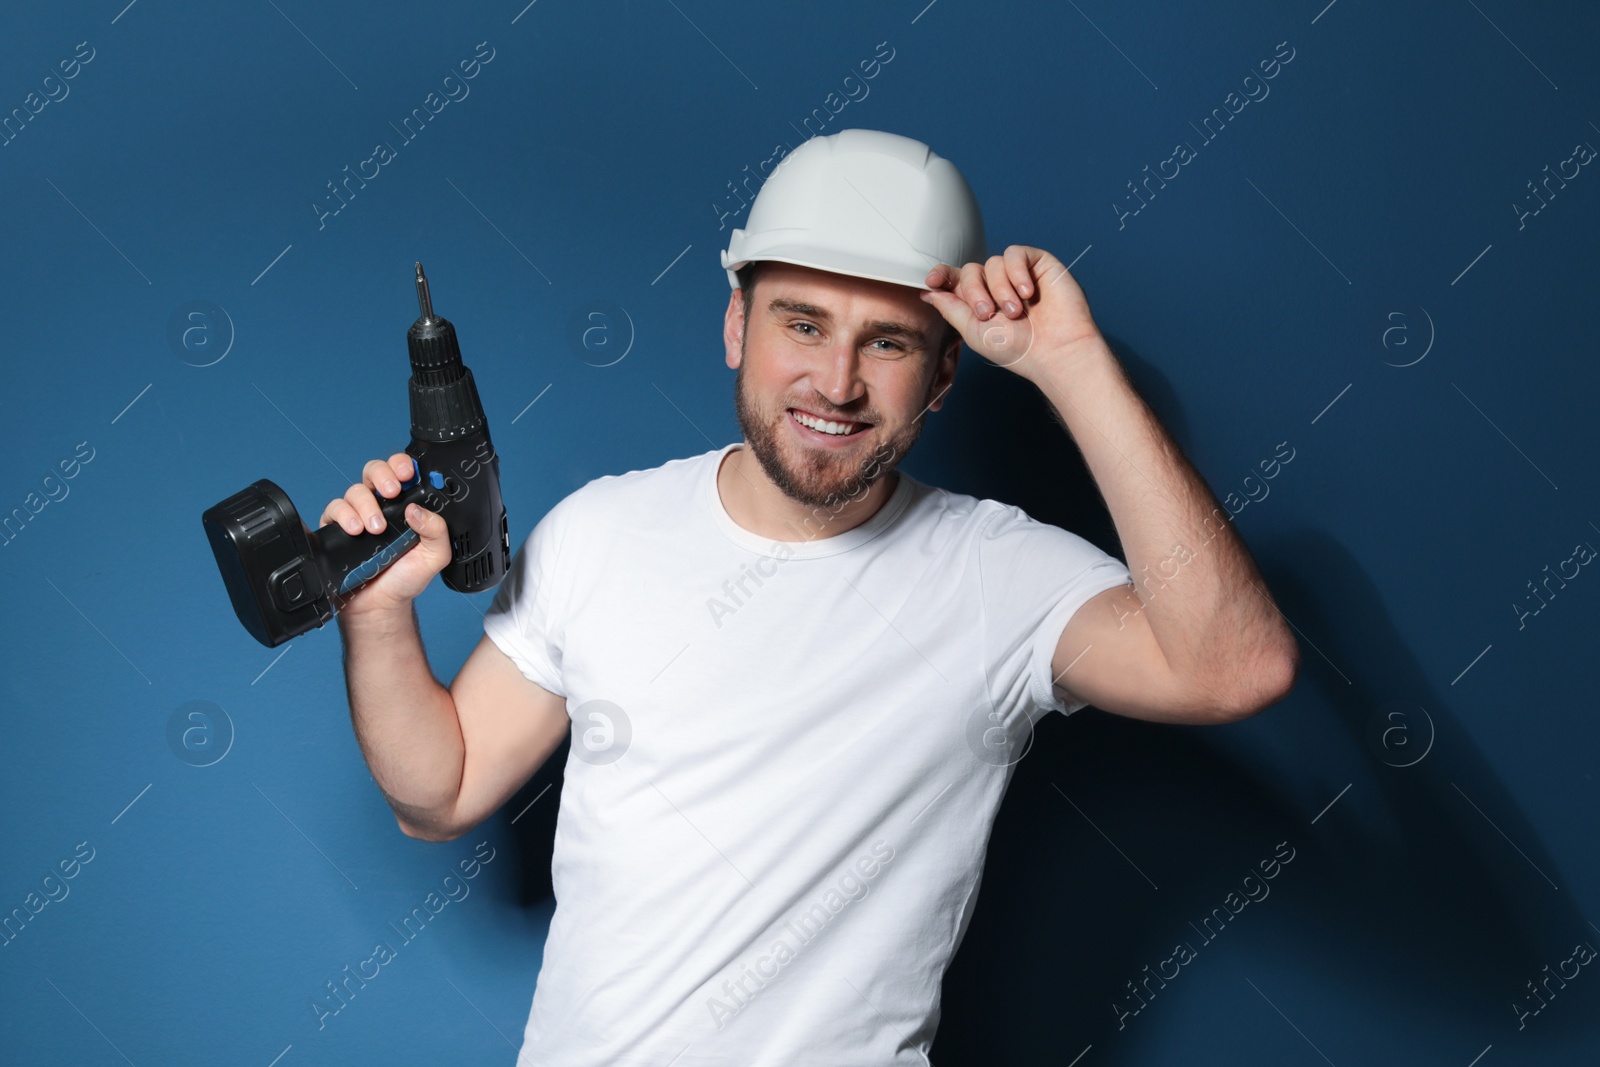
(804, 326)
(893, 347)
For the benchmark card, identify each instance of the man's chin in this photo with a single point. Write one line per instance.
(828, 483)
(818, 474)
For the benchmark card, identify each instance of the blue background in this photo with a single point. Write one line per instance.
(1342, 268)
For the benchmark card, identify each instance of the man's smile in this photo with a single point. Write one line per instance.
(818, 426)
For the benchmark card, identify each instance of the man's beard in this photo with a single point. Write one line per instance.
(816, 477)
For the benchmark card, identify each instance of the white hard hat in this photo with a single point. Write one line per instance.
(864, 203)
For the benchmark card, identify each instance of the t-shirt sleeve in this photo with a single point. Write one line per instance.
(521, 620)
(1034, 576)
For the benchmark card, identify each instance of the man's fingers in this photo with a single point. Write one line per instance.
(379, 474)
(403, 465)
(360, 498)
(974, 291)
(342, 513)
(1019, 269)
(952, 307)
(999, 282)
(942, 276)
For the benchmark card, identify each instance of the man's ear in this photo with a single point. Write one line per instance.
(733, 329)
(944, 374)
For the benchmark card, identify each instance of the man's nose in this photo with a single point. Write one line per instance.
(840, 378)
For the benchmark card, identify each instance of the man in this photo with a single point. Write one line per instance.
(795, 677)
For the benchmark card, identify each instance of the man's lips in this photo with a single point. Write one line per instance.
(854, 427)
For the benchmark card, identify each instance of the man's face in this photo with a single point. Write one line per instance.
(824, 347)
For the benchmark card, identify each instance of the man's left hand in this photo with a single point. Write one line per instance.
(1021, 310)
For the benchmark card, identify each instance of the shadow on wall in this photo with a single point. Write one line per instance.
(1410, 908)
(531, 821)
(1402, 899)
(992, 418)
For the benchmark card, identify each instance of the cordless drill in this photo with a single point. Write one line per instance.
(285, 579)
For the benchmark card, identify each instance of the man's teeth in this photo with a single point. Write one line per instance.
(837, 428)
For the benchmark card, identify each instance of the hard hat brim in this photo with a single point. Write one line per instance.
(851, 266)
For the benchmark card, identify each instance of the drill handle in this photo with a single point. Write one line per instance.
(349, 562)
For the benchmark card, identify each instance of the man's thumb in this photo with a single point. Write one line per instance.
(429, 524)
(952, 307)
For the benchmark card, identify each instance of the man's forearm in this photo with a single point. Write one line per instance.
(405, 721)
(1202, 593)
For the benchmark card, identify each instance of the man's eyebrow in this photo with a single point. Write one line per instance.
(885, 326)
(897, 329)
(780, 303)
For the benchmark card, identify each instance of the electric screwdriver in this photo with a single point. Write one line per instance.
(285, 579)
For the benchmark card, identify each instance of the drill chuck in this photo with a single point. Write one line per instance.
(444, 398)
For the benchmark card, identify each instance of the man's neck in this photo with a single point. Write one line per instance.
(756, 504)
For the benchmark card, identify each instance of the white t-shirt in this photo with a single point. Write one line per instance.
(786, 758)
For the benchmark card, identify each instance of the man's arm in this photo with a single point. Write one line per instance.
(1197, 638)
(445, 760)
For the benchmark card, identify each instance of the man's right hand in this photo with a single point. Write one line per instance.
(357, 512)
